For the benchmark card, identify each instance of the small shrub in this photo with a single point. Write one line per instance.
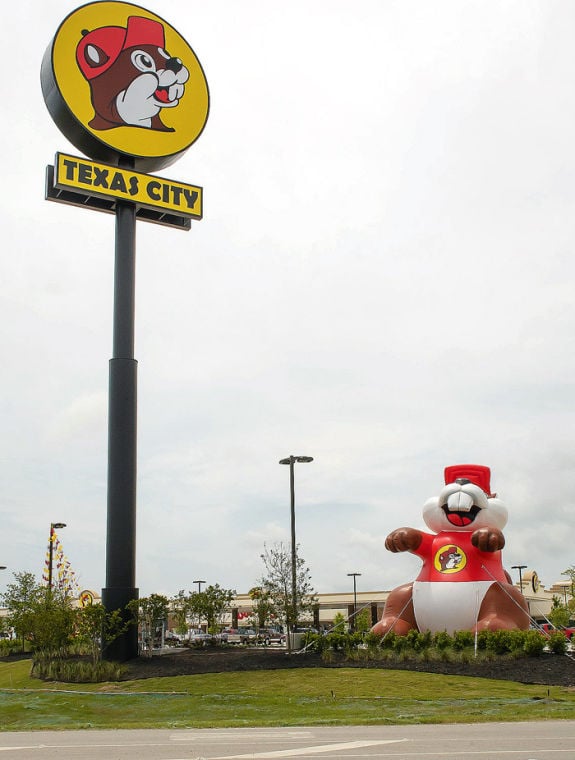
(314, 642)
(76, 671)
(417, 641)
(425, 641)
(442, 640)
(9, 646)
(372, 640)
(388, 641)
(352, 642)
(402, 643)
(499, 642)
(516, 641)
(463, 640)
(534, 643)
(337, 641)
(446, 655)
(328, 655)
(557, 642)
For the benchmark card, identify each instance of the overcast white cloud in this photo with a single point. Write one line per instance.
(383, 279)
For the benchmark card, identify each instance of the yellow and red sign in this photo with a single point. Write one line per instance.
(120, 81)
(106, 181)
(86, 598)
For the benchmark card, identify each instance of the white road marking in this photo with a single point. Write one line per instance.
(310, 750)
(249, 735)
(34, 746)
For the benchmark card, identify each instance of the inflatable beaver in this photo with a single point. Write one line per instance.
(462, 584)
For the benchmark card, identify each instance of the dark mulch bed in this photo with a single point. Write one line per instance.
(548, 669)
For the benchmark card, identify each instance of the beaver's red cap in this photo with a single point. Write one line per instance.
(476, 473)
(99, 49)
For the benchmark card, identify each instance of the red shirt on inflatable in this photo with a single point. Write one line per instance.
(450, 556)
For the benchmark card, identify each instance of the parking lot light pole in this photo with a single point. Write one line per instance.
(53, 527)
(519, 568)
(199, 585)
(565, 585)
(354, 576)
(291, 460)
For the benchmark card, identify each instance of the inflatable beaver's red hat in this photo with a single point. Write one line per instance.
(475, 473)
(99, 49)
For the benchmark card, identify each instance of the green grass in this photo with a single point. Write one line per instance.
(302, 697)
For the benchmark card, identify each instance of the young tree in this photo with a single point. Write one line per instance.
(43, 616)
(277, 582)
(18, 599)
(559, 615)
(263, 606)
(363, 621)
(338, 625)
(211, 604)
(96, 628)
(149, 612)
(180, 608)
(53, 622)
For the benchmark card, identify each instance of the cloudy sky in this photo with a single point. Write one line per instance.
(383, 280)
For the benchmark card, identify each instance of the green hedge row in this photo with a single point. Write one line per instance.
(531, 643)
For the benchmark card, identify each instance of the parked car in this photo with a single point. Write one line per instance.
(199, 637)
(173, 639)
(225, 634)
(305, 630)
(267, 636)
(569, 631)
(241, 636)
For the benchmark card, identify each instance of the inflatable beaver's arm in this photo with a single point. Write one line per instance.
(404, 540)
(488, 539)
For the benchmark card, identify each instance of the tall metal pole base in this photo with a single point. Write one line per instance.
(125, 647)
(121, 539)
(120, 587)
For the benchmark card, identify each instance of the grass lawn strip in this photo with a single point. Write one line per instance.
(302, 697)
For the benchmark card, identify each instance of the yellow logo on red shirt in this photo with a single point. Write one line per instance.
(450, 559)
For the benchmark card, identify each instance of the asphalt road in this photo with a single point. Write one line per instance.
(552, 740)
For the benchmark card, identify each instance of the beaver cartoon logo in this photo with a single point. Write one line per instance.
(462, 584)
(132, 77)
(450, 559)
(120, 82)
(86, 598)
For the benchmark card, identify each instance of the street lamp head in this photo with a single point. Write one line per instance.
(58, 525)
(2, 567)
(292, 459)
(354, 574)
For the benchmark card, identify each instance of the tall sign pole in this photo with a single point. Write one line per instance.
(129, 92)
(120, 587)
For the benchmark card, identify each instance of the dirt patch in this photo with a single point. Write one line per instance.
(548, 669)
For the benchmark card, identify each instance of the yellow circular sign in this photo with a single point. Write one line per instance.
(450, 559)
(86, 598)
(121, 82)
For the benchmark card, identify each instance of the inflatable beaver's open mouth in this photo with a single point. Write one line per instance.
(460, 518)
